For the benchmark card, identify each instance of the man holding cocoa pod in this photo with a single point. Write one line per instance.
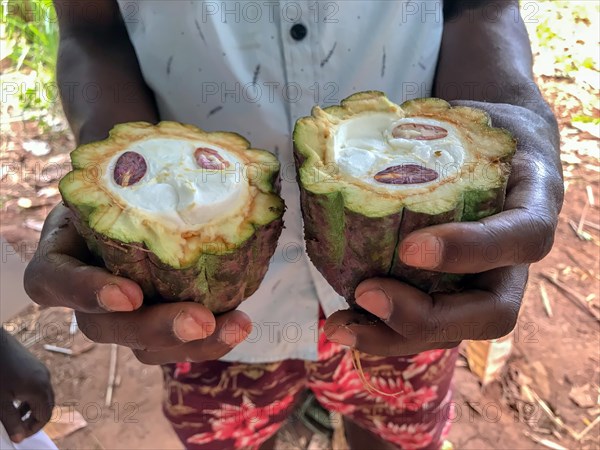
(254, 68)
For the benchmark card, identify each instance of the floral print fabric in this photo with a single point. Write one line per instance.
(219, 405)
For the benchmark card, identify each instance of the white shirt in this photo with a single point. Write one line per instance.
(38, 441)
(235, 66)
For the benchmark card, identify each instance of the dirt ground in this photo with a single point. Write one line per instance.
(557, 357)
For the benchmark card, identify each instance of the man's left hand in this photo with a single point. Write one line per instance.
(413, 321)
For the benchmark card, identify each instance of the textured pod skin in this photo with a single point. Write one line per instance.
(338, 239)
(219, 282)
(348, 246)
(218, 273)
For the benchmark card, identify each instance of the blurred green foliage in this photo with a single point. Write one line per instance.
(564, 37)
(30, 39)
(550, 37)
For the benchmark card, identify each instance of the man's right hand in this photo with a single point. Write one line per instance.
(96, 49)
(110, 308)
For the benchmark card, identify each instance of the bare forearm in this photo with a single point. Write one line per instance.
(486, 56)
(487, 59)
(100, 80)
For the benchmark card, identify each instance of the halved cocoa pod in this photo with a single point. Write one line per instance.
(168, 245)
(354, 221)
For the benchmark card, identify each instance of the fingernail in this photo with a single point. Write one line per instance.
(112, 298)
(186, 328)
(423, 250)
(376, 302)
(232, 334)
(343, 336)
(17, 437)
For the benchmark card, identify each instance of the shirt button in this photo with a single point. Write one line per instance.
(298, 32)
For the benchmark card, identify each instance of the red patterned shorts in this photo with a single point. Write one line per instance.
(218, 405)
